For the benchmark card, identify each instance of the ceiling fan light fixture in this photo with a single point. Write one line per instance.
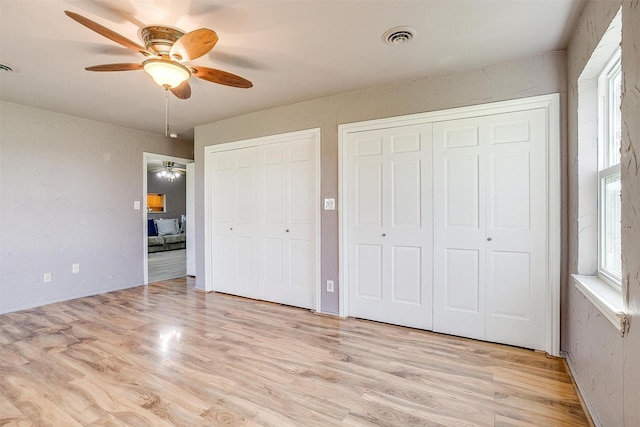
(166, 73)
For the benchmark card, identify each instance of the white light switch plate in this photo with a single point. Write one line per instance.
(329, 204)
(136, 205)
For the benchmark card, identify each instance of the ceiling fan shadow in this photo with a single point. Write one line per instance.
(197, 8)
(218, 56)
(117, 11)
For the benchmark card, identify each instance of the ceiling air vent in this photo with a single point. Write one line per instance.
(399, 35)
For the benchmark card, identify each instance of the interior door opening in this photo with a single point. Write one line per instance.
(165, 194)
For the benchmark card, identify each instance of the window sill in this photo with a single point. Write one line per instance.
(606, 298)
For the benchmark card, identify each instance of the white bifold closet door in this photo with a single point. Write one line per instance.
(490, 228)
(265, 220)
(286, 223)
(235, 221)
(390, 225)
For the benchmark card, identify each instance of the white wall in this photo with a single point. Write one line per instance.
(536, 75)
(67, 187)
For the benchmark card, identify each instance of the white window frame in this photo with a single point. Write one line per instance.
(607, 167)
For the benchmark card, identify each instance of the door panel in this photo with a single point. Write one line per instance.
(491, 183)
(512, 288)
(462, 280)
(300, 181)
(516, 253)
(368, 194)
(287, 218)
(369, 271)
(299, 264)
(265, 222)
(407, 274)
(390, 225)
(510, 207)
(405, 194)
(459, 215)
(234, 222)
(461, 193)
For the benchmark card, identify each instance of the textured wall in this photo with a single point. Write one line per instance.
(630, 167)
(607, 365)
(537, 75)
(176, 195)
(67, 187)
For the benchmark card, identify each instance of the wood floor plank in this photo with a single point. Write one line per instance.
(167, 355)
(167, 265)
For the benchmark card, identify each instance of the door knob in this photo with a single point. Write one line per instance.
(489, 239)
(231, 228)
(287, 230)
(384, 234)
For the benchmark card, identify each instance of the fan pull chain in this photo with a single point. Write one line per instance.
(166, 112)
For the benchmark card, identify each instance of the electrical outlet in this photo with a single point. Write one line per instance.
(47, 277)
(330, 287)
(75, 268)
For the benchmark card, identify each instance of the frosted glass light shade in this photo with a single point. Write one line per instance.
(165, 73)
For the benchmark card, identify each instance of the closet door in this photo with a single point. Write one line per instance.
(390, 225)
(490, 228)
(459, 230)
(234, 196)
(287, 218)
(516, 224)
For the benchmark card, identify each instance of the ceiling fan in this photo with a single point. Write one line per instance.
(166, 49)
(168, 170)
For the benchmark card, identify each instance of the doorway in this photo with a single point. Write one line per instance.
(165, 212)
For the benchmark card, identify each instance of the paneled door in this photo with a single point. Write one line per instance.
(265, 219)
(490, 227)
(390, 225)
(235, 220)
(286, 222)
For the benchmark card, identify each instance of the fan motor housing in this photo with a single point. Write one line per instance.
(159, 38)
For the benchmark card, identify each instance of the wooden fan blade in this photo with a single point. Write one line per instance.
(183, 91)
(104, 31)
(221, 77)
(194, 44)
(115, 67)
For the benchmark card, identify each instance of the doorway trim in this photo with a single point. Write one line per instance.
(145, 160)
(551, 105)
(208, 199)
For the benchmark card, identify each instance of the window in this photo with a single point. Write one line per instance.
(598, 274)
(609, 136)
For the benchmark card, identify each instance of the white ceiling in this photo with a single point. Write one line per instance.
(291, 50)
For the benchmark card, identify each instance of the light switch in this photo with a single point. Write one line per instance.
(136, 205)
(329, 204)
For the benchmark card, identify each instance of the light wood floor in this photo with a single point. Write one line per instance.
(167, 265)
(166, 355)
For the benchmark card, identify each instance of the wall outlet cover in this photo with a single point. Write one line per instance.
(330, 286)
